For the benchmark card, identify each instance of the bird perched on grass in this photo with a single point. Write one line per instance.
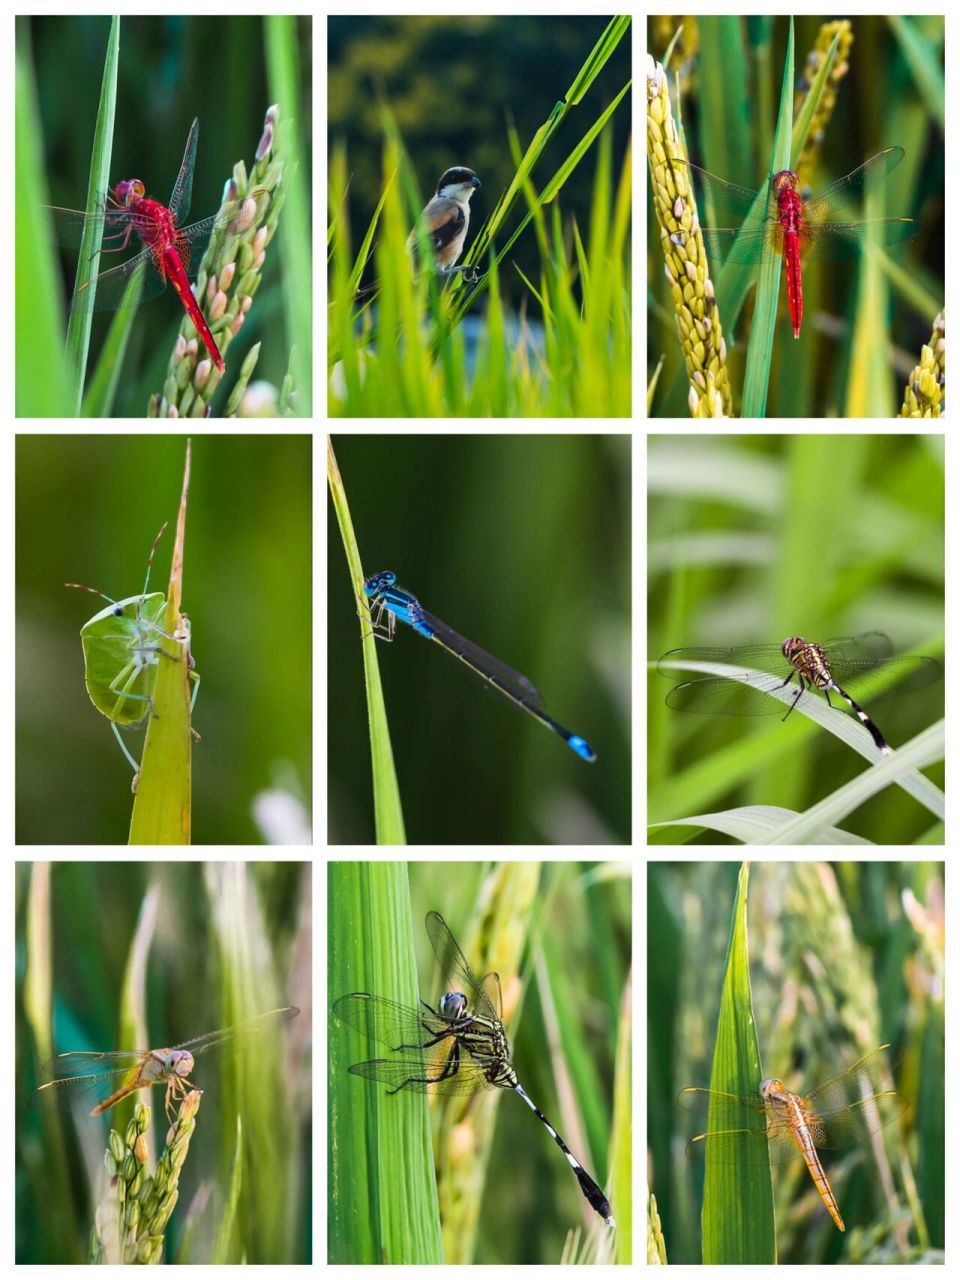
(445, 220)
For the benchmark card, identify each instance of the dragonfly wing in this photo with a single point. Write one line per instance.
(182, 195)
(732, 697)
(83, 1062)
(126, 285)
(420, 1077)
(69, 225)
(454, 968)
(732, 1128)
(210, 239)
(851, 1125)
(839, 241)
(385, 1022)
(517, 685)
(847, 1108)
(871, 646)
(744, 245)
(77, 1079)
(240, 1031)
(853, 185)
(763, 657)
(725, 195)
(491, 985)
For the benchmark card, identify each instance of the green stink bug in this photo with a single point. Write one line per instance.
(122, 648)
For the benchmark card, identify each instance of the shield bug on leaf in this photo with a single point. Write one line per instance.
(123, 645)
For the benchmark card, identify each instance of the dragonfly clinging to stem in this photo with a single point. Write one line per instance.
(113, 1076)
(777, 1126)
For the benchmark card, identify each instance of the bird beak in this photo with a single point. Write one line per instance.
(474, 181)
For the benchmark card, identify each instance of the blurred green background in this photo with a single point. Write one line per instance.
(145, 955)
(521, 543)
(455, 84)
(170, 70)
(844, 957)
(88, 508)
(566, 996)
(886, 89)
(753, 538)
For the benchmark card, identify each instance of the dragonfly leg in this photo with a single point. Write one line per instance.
(450, 1068)
(375, 612)
(124, 233)
(177, 1087)
(800, 690)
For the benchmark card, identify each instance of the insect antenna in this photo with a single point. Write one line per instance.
(82, 586)
(146, 581)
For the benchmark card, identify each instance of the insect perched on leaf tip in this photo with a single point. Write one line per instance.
(122, 650)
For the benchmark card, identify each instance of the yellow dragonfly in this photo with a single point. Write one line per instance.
(778, 1125)
(115, 1075)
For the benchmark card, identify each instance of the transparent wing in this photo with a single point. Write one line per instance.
(71, 1064)
(840, 241)
(79, 1077)
(455, 973)
(420, 1075)
(852, 186)
(719, 695)
(182, 194)
(491, 985)
(841, 1113)
(731, 1129)
(765, 657)
(240, 1031)
(725, 195)
(847, 1108)
(870, 648)
(424, 1065)
(385, 1022)
(518, 685)
(819, 242)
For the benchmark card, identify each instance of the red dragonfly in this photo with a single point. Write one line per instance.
(794, 226)
(168, 245)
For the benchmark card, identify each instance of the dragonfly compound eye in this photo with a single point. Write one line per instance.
(180, 1062)
(771, 1087)
(453, 1005)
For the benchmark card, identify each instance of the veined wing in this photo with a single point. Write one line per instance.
(115, 224)
(846, 1109)
(519, 686)
(732, 1129)
(853, 185)
(85, 1062)
(182, 195)
(723, 194)
(839, 241)
(79, 1076)
(819, 241)
(491, 985)
(385, 1022)
(455, 972)
(261, 1025)
(420, 1076)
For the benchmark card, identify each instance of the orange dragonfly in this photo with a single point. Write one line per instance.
(112, 1077)
(779, 1126)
